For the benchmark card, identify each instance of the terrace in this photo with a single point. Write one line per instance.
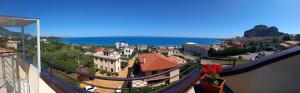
(275, 73)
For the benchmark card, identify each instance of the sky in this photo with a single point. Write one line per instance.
(163, 18)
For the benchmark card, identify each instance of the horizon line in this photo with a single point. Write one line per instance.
(133, 36)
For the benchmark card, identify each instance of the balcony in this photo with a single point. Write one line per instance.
(23, 73)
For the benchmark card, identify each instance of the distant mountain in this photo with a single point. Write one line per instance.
(263, 31)
(7, 33)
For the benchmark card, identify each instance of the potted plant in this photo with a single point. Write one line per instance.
(210, 80)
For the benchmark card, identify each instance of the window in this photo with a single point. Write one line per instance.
(112, 70)
(111, 62)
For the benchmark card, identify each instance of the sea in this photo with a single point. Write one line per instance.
(150, 41)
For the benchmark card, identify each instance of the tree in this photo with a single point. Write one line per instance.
(212, 52)
(286, 38)
(124, 64)
(165, 53)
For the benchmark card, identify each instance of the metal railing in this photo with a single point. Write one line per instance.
(184, 70)
(10, 75)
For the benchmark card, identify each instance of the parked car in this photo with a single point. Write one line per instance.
(119, 90)
(90, 88)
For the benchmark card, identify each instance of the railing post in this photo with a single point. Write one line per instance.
(49, 67)
(14, 74)
(129, 85)
(234, 64)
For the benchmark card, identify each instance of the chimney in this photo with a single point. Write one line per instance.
(144, 60)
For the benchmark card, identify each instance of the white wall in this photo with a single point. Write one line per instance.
(279, 77)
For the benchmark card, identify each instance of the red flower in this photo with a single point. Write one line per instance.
(219, 68)
(204, 70)
(207, 66)
(213, 71)
(214, 66)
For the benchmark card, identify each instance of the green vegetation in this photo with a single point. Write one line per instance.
(230, 51)
(241, 61)
(286, 38)
(70, 78)
(133, 54)
(124, 64)
(165, 53)
(67, 56)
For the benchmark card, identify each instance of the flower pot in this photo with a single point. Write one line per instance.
(211, 88)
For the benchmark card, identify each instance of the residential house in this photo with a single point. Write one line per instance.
(127, 51)
(177, 59)
(142, 47)
(289, 44)
(12, 44)
(169, 50)
(121, 45)
(153, 63)
(6, 52)
(195, 49)
(107, 59)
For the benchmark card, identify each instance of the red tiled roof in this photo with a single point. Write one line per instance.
(176, 59)
(155, 62)
(99, 49)
(5, 51)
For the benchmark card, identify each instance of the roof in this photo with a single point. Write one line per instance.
(176, 59)
(9, 21)
(155, 62)
(291, 42)
(6, 50)
(99, 49)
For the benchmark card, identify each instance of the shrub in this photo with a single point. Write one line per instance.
(97, 69)
(116, 74)
(240, 57)
(109, 73)
(124, 64)
(103, 71)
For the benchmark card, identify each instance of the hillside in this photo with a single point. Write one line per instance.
(7, 33)
(263, 31)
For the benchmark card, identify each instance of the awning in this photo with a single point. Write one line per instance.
(8, 21)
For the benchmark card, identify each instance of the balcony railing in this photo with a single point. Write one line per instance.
(186, 70)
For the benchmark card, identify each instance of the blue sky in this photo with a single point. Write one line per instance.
(173, 18)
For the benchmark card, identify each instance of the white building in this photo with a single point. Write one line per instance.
(169, 50)
(121, 45)
(12, 44)
(142, 47)
(108, 60)
(195, 49)
(127, 51)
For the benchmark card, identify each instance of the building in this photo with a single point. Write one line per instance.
(107, 59)
(195, 49)
(177, 59)
(6, 52)
(142, 47)
(121, 45)
(289, 44)
(153, 63)
(12, 44)
(127, 51)
(169, 50)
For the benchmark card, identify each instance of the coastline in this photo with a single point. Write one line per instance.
(138, 40)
